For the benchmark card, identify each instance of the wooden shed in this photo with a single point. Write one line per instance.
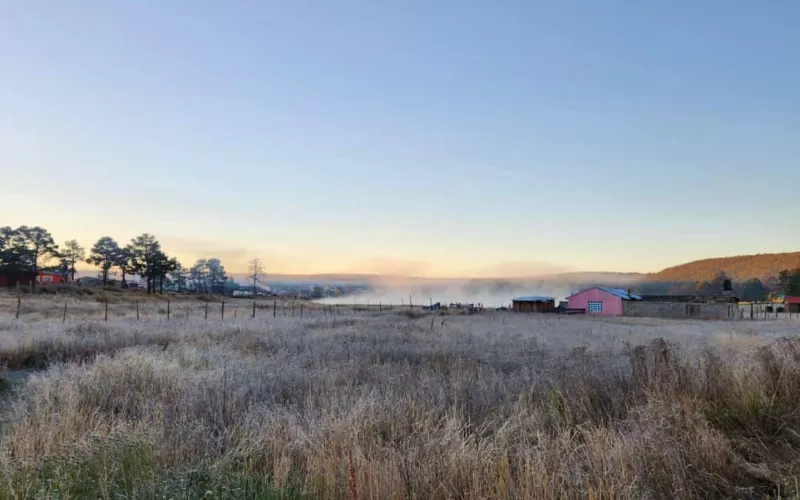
(534, 304)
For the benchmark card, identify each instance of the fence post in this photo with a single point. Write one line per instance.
(106, 317)
(254, 308)
(137, 310)
(167, 308)
(19, 303)
(301, 310)
(380, 306)
(222, 313)
(234, 313)
(410, 304)
(64, 319)
(206, 316)
(274, 307)
(293, 309)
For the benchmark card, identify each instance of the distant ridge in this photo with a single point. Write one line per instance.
(740, 267)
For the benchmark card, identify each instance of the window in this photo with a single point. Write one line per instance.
(595, 306)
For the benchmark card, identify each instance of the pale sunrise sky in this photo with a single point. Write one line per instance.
(423, 137)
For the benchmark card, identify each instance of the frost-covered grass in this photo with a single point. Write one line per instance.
(387, 406)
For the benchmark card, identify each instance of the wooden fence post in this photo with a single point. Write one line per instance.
(410, 304)
(206, 316)
(274, 307)
(64, 318)
(19, 304)
(293, 309)
(254, 308)
(380, 306)
(167, 308)
(222, 313)
(234, 313)
(106, 318)
(137, 310)
(301, 310)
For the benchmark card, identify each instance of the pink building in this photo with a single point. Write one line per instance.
(601, 301)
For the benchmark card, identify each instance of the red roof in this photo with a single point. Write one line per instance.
(792, 300)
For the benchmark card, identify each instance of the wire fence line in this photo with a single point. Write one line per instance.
(21, 308)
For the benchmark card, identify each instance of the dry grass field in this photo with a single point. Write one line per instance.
(391, 405)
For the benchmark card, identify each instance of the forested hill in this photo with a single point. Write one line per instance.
(739, 268)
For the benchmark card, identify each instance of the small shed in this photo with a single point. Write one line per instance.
(537, 304)
(601, 301)
(792, 304)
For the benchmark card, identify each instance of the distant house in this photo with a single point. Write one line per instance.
(792, 304)
(538, 304)
(90, 281)
(601, 301)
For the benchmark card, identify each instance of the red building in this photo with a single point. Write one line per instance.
(792, 304)
(11, 278)
(50, 277)
(24, 278)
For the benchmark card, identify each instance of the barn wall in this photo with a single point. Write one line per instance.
(612, 305)
(680, 310)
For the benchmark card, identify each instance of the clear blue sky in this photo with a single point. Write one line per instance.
(424, 137)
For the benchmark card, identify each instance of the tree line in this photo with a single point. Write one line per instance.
(31, 249)
(787, 282)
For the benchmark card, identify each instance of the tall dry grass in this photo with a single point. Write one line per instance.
(498, 406)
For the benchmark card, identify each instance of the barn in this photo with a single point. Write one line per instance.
(601, 301)
(792, 304)
(11, 278)
(538, 304)
(50, 277)
(24, 278)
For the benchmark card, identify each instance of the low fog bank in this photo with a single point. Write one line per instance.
(488, 295)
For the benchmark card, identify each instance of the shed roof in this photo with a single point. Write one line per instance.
(534, 298)
(619, 292)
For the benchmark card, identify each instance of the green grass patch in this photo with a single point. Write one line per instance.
(129, 470)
